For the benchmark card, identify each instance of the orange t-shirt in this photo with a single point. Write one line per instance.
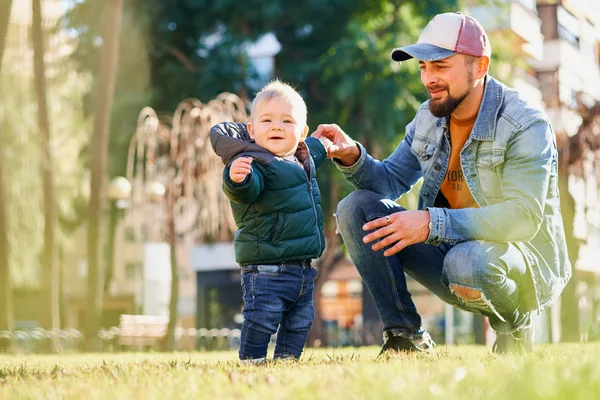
(454, 187)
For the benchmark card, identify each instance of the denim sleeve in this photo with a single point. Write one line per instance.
(391, 177)
(518, 217)
(248, 190)
(317, 149)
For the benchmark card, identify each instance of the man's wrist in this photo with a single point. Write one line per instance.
(436, 225)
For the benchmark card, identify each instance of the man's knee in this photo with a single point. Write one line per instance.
(356, 200)
(352, 207)
(470, 270)
(467, 270)
(464, 292)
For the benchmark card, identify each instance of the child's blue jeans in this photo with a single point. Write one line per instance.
(278, 298)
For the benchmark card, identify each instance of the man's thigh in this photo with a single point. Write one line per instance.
(425, 263)
(475, 262)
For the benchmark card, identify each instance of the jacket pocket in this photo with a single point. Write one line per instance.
(277, 227)
(423, 148)
(489, 172)
(490, 159)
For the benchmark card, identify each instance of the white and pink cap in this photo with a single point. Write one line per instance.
(445, 35)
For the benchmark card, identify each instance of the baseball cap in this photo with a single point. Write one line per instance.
(445, 35)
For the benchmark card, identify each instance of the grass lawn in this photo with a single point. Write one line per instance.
(552, 372)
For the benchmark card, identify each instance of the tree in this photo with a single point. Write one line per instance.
(22, 192)
(6, 307)
(100, 140)
(573, 151)
(50, 315)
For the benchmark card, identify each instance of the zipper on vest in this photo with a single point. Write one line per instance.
(314, 207)
(312, 199)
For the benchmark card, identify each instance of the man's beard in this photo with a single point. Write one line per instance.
(441, 108)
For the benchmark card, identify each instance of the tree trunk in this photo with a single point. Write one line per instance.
(6, 294)
(170, 341)
(110, 249)
(50, 310)
(6, 307)
(106, 87)
(569, 309)
(574, 150)
(325, 265)
(5, 9)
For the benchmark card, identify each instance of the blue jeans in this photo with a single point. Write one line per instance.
(278, 298)
(496, 269)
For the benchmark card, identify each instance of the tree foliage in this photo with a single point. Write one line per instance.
(336, 53)
(19, 135)
(6, 295)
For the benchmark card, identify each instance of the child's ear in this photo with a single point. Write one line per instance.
(304, 132)
(251, 130)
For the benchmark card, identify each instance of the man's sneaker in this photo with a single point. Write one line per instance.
(396, 343)
(519, 342)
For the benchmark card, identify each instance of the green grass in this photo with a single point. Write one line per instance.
(552, 372)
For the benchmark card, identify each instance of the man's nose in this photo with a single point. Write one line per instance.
(428, 77)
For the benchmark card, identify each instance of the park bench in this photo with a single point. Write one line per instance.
(146, 331)
(142, 330)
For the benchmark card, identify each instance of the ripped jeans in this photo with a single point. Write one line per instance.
(495, 271)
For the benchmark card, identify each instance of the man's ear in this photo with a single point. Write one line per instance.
(483, 66)
(251, 130)
(304, 132)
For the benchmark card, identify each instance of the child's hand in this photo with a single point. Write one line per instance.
(240, 168)
(326, 142)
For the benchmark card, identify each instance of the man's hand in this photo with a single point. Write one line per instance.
(400, 229)
(240, 168)
(343, 147)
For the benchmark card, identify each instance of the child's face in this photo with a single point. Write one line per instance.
(277, 127)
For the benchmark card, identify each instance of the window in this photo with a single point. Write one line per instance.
(529, 5)
(567, 35)
(569, 27)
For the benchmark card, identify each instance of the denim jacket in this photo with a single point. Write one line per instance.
(510, 165)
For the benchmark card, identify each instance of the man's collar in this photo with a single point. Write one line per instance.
(485, 124)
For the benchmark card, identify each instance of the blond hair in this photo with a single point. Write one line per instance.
(278, 89)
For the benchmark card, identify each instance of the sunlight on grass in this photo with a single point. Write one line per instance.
(551, 372)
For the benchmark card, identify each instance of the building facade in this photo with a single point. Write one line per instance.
(558, 41)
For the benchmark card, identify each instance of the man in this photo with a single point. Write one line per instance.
(488, 235)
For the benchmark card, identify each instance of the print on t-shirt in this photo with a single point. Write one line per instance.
(456, 179)
(454, 187)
